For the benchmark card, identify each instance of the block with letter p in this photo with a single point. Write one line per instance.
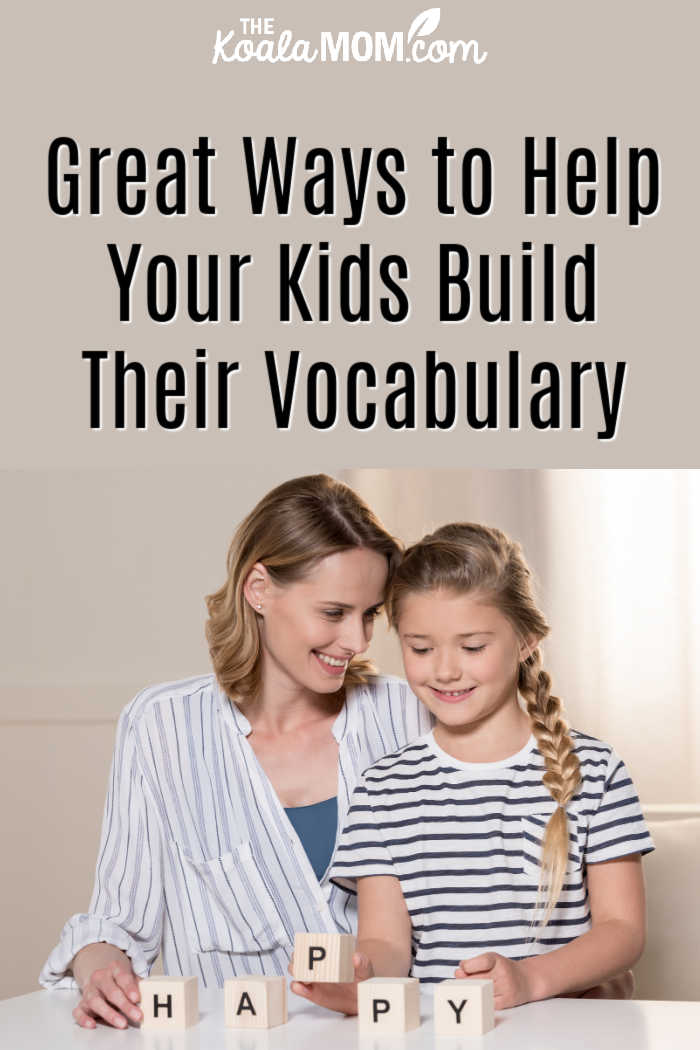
(463, 1007)
(255, 1001)
(389, 1004)
(169, 1002)
(323, 957)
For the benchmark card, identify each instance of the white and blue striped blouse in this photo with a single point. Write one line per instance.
(197, 857)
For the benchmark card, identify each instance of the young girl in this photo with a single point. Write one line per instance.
(501, 844)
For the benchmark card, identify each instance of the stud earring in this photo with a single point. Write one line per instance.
(258, 606)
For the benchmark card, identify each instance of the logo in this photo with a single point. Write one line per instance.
(259, 41)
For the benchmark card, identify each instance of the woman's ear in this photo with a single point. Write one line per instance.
(256, 586)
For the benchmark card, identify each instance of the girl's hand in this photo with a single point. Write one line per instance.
(511, 983)
(340, 997)
(110, 995)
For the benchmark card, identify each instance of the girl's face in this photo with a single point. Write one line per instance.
(311, 629)
(461, 656)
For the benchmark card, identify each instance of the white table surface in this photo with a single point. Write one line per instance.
(42, 1021)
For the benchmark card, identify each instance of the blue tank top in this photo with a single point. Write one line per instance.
(316, 826)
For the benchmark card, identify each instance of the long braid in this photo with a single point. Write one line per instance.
(467, 558)
(562, 776)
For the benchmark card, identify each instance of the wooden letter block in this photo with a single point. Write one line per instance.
(323, 957)
(169, 1002)
(255, 1002)
(463, 1007)
(388, 1004)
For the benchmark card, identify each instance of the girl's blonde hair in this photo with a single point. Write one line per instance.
(290, 530)
(475, 559)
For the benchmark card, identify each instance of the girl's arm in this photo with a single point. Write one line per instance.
(384, 925)
(383, 944)
(614, 944)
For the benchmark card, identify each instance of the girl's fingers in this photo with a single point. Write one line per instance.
(299, 988)
(340, 997)
(479, 964)
(363, 967)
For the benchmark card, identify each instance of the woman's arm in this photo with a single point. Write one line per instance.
(613, 945)
(383, 943)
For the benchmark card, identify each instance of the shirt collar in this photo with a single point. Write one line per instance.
(346, 721)
(231, 712)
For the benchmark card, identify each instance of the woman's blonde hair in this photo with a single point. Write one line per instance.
(289, 531)
(474, 559)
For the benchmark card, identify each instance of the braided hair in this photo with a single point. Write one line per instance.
(474, 559)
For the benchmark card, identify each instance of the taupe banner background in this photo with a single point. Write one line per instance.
(141, 75)
(110, 539)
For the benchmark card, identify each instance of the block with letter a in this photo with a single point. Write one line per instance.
(255, 1001)
(323, 957)
(169, 1002)
(388, 1004)
(463, 1007)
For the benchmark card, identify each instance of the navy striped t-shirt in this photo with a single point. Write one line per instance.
(465, 840)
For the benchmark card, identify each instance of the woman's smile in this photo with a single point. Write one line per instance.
(333, 665)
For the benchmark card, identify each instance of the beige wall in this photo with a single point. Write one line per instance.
(53, 778)
(104, 575)
(616, 561)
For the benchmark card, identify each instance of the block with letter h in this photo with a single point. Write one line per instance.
(169, 1002)
(463, 1006)
(323, 957)
(388, 1004)
(255, 1001)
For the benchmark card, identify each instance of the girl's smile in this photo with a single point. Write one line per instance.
(454, 696)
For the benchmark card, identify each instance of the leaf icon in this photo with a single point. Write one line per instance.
(425, 23)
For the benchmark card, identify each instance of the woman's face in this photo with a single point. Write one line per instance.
(461, 656)
(311, 629)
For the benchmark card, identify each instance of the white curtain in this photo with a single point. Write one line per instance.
(617, 557)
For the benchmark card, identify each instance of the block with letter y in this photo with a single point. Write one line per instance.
(463, 1007)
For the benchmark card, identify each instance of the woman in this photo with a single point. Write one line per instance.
(227, 790)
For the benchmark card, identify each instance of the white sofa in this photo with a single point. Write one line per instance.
(670, 966)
